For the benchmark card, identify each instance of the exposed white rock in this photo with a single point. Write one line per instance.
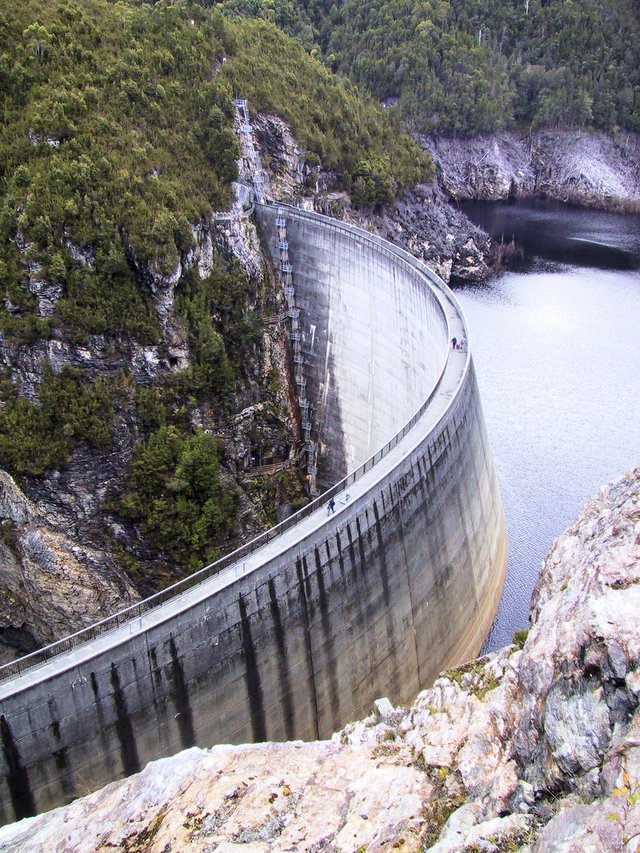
(145, 363)
(83, 255)
(163, 290)
(239, 238)
(581, 167)
(47, 293)
(41, 139)
(491, 167)
(46, 568)
(462, 831)
(204, 251)
(588, 168)
(269, 797)
(283, 159)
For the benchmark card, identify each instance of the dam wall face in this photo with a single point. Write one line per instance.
(298, 637)
(374, 337)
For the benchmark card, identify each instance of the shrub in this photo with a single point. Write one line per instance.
(520, 638)
(174, 491)
(36, 437)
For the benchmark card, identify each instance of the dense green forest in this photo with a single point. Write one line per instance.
(116, 137)
(117, 134)
(471, 66)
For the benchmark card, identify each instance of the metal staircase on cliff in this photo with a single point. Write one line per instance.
(251, 156)
(286, 279)
(249, 153)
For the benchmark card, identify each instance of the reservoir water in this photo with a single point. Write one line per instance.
(556, 347)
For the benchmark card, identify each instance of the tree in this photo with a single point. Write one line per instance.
(39, 41)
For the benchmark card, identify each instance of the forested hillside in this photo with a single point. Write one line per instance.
(117, 122)
(472, 66)
(138, 379)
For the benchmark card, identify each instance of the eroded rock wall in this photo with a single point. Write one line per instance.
(578, 167)
(70, 559)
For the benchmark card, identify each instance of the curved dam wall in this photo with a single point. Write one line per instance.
(299, 636)
(374, 338)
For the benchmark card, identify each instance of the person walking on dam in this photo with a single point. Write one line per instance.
(331, 506)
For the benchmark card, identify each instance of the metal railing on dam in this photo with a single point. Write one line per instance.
(236, 557)
(298, 631)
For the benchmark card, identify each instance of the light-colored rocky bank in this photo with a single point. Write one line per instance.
(578, 167)
(534, 748)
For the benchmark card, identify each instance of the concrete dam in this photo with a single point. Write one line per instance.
(298, 632)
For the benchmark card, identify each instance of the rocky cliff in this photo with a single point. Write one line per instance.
(69, 556)
(578, 167)
(535, 747)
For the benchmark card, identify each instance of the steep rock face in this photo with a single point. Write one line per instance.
(579, 674)
(421, 220)
(282, 157)
(44, 567)
(491, 167)
(578, 167)
(535, 749)
(423, 223)
(65, 563)
(591, 170)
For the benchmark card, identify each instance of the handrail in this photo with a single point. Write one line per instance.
(383, 244)
(228, 215)
(138, 609)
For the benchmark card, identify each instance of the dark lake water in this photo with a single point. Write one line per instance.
(557, 352)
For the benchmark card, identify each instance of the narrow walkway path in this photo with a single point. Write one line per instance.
(347, 499)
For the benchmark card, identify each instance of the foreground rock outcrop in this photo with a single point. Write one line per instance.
(534, 748)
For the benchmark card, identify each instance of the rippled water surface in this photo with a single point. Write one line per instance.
(557, 353)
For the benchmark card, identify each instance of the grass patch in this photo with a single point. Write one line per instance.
(474, 678)
(436, 814)
(520, 638)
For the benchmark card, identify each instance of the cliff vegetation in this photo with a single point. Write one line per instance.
(143, 370)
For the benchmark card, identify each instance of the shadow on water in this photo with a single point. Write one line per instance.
(559, 233)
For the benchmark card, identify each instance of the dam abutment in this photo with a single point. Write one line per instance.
(296, 638)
